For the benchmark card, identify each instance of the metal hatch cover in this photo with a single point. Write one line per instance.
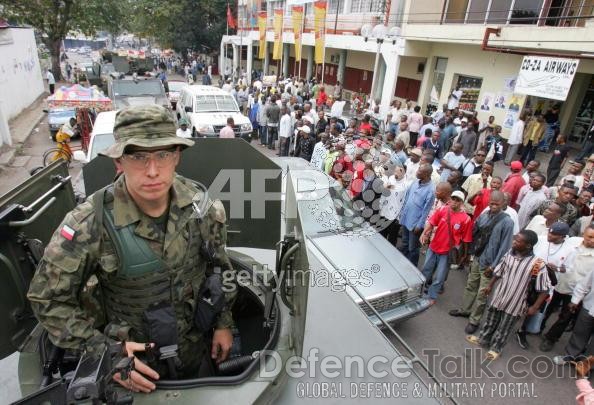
(29, 214)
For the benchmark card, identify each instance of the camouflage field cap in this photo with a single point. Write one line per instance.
(146, 126)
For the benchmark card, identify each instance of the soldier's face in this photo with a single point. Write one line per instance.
(149, 182)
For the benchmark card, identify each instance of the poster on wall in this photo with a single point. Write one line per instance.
(509, 83)
(546, 77)
(487, 102)
(471, 87)
(510, 119)
(515, 102)
(501, 100)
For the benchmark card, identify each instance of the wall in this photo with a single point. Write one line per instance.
(21, 82)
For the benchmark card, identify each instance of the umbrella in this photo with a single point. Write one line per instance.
(78, 96)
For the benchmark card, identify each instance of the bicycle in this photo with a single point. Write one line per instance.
(56, 153)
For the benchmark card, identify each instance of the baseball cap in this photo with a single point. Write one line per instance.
(457, 121)
(559, 228)
(146, 126)
(569, 178)
(458, 194)
(516, 165)
(416, 151)
(464, 119)
(305, 129)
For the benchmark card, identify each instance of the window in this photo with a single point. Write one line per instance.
(366, 6)
(212, 103)
(478, 11)
(456, 11)
(499, 12)
(526, 11)
(439, 74)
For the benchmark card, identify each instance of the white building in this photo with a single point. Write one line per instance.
(21, 82)
(439, 46)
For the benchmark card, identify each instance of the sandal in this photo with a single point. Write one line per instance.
(492, 355)
(473, 339)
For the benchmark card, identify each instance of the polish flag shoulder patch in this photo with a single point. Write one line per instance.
(67, 232)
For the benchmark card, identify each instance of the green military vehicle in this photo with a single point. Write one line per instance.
(297, 323)
(128, 65)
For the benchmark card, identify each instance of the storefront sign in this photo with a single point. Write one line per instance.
(546, 77)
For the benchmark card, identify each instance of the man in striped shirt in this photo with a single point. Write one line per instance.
(513, 276)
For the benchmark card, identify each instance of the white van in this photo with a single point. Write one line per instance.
(101, 137)
(206, 108)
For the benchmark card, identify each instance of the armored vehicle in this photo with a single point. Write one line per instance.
(299, 336)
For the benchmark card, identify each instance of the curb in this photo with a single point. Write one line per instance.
(35, 122)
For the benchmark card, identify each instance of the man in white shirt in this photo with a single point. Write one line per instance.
(285, 130)
(573, 259)
(391, 205)
(530, 198)
(541, 223)
(318, 156)
(412, 165)
(227, 86)
(584, 325)
(51, 81)
(454, 98)
(183, 131)
(227, 131)
(515, 139)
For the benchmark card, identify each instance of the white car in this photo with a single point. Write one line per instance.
(206, 109)
(101, 137)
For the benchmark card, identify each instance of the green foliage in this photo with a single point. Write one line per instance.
(182, 24)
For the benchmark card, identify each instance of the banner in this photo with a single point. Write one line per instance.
(546, 77)
(278, 34)
(320, 29)
(262, 30)
(297, 22)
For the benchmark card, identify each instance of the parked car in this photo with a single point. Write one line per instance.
(175, 87)
(101, 137)
(56, 117)
(206, 108)
(130, 92)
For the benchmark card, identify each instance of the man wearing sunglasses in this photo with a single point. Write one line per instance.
(154, 244)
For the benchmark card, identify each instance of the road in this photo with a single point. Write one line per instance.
(435, 336)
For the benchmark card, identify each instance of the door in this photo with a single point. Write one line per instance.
(29, 214)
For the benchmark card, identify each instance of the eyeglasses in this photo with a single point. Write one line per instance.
(140, 160)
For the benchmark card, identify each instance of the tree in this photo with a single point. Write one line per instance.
(54, 19)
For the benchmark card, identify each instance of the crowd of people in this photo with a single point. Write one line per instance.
(526, 237)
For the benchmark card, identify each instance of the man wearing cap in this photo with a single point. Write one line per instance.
(412, 164)
(514, 182)
(183, 131)
(151, 240)
(571, 260)
(305, 143)
(452, 227)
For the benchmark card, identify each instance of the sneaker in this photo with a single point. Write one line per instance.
(457, 312)
(546, 345)
(522, 341)
(562, 360)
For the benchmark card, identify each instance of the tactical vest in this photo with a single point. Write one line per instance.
(143, 279)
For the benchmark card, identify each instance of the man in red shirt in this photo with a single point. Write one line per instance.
(481, 200)
(453, 227)
(322, 97)
(365, 126)
(513, 183)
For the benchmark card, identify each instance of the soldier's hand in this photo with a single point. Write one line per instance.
(137, 381)
(222, 340)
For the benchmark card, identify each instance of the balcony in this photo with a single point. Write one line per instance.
(550, 13)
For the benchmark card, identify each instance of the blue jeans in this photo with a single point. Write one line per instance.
(548, 138)
(436, 267)
(410, 245)
(263, 133)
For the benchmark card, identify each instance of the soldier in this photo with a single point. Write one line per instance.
(153, 243)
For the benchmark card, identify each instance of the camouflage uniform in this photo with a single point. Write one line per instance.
(74, 292)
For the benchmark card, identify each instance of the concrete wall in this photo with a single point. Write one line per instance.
(21, 82)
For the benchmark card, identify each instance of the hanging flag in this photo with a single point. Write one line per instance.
(297, 21)
(278, 34)
(230, 20)
(320, 29)
(262, 29)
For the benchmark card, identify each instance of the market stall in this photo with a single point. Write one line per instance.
(88, 101)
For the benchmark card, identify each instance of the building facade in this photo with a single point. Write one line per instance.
(428, 47)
